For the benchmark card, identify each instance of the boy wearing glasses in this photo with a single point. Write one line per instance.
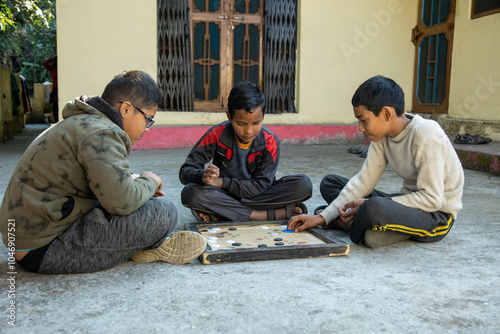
(72, 204)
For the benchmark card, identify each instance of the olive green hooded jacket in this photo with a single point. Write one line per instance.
(73, 167)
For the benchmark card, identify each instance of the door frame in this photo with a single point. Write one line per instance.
(418, 34)
(226, 19)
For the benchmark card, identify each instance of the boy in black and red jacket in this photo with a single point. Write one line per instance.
(241, 158)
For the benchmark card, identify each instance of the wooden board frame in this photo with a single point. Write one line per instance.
(331, 247)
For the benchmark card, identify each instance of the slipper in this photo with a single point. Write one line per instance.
(364, 154)
(471, 139)
(196, 215)
(354, 150)
(271, 214)
(320, 208)
(289, 209)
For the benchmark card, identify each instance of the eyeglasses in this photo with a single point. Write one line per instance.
(149, 120)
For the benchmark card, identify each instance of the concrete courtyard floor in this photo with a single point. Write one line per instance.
(452, 286)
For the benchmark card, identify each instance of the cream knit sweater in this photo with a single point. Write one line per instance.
(423, 156)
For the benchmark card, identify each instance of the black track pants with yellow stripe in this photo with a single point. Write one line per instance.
(383, 214)
(380, 213)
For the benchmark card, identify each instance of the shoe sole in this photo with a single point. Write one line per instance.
(181, 248)
(375, 239)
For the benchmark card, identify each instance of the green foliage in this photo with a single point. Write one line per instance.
(5, 17)
(28, 37)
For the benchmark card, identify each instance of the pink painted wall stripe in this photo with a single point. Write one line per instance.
(178, 137)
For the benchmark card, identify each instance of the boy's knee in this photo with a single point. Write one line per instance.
(162, 207)
(326, 182)
(196, 195)
(368, 215)
(305, 184)
(163, 216)
(372, 207)
(188, 194)
(331, 186)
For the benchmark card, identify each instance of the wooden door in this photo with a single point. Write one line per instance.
(433, 38)
(227, 39)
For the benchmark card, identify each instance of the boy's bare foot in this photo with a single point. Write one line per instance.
(341, 224)
(288, 212)
(203, 217)
(337, 222)
(317, 211)
(281, 213)
(209, 218)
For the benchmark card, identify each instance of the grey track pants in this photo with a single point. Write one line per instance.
(383, 214)
(99, 240)
(287, 190)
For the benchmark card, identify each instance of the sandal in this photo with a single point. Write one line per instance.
(471, 139)
(320, 208)
(354, 150)
(289, 209)
(196, 215)
(364, 154)
(271, 215)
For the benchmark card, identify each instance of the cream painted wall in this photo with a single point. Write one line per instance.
(341, 44)
(98, 39)
(475, 71)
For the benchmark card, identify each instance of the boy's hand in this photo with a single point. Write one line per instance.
(303, 222)
(158, 180)
(348, 211)
(211, 176)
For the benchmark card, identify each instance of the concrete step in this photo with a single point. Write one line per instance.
(483, 157)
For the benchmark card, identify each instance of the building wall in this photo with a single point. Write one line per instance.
(475, 71)
(341, 44)
(98, 39)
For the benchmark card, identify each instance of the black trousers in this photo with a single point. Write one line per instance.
(287, 190)
(380, 213)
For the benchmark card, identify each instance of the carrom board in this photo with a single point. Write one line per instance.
(263, 240)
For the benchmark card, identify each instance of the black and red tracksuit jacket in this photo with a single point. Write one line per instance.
(216, 145)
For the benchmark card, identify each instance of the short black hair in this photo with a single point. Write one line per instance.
(247, 96)
(377, 92)
(134, 86)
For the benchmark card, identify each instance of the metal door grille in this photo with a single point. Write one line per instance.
(280, 55)
(175, 60)
(174, 56)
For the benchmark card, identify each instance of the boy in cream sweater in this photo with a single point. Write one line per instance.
(418, 150)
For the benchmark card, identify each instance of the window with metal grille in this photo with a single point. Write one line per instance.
(174, 56)
(177, 60)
